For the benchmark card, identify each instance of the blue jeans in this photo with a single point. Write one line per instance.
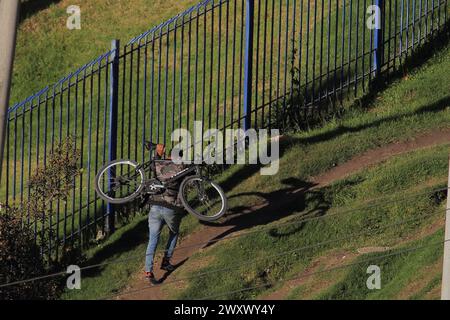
(157, 217)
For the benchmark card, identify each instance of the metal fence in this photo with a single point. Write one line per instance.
(228, 64)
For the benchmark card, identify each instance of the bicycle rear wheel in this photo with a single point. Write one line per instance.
(119, 181)
(203, 198)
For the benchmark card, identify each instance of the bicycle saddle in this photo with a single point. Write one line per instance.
(160, 148)
(149, 145)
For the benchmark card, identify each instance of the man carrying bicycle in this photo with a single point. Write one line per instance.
(166, 208)
(175, 189)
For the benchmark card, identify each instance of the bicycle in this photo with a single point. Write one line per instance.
(121, 181)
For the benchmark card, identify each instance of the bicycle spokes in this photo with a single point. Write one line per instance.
(120, 180)
(203, 197)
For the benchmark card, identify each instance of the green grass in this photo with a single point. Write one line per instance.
(369, 226)
(47, 50)
(412, 105)
(405, 274)
(397, 271)
(408, 107)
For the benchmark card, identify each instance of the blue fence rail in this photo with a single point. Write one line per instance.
(228, 64)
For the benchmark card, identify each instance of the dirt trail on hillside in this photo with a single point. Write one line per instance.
(139, 289)
(383, 153)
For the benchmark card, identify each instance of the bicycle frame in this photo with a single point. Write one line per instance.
(179, 175)
(183, 173)
(150, 185)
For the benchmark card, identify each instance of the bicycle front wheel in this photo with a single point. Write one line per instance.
(119, 181)
(203, 198)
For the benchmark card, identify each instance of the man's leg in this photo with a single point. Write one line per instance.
(172, 219)
(155, 224)
(171, 243)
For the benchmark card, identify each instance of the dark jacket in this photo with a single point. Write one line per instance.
(165, 169)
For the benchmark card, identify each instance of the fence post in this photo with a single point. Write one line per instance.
(378, 39)
(113, 116)
(248, 62)
(445, 286)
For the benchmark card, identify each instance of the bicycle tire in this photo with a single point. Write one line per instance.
(108, 199)
(200, 216)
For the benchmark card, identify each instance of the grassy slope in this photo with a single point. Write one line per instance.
(423, 97)
(43, 26)
(369, 226)
(416, 103)
(36, 66)
(410, 106)
(46, 51)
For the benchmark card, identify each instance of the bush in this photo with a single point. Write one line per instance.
(51, 184)
(21, 250)
(20, 259)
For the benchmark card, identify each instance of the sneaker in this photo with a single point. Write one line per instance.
(166, 265)
(151, 277)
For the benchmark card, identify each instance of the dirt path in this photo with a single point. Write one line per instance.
(383, 153)
(140, 290)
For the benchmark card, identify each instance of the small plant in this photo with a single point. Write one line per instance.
(293, 112)
(50, 184)
(286, 112)
(54, 181)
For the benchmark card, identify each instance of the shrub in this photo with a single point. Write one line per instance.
(50, 184)
(20, 259)
(21, 250)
